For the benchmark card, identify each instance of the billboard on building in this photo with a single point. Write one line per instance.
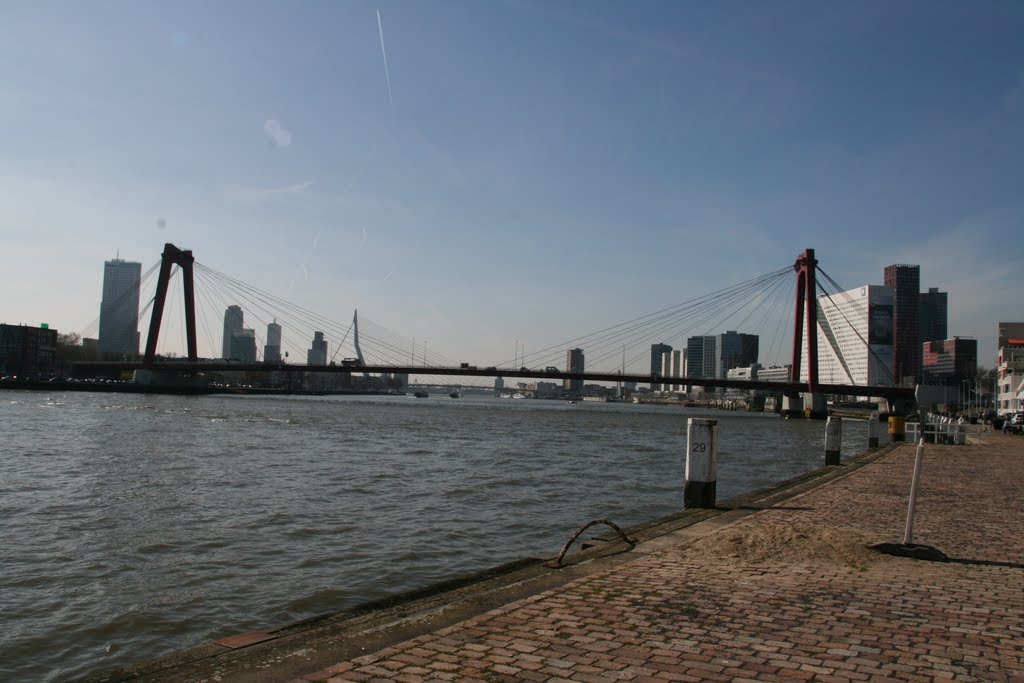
(880, 324)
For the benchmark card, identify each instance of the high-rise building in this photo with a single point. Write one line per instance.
(119, 309)
(233, 323)
(934, 318)
(855, 337)
(317, 354)
(243, 345)
(905, 282)
(949, 361)
(658, 352)
(574, 363)
(672, 368)
(714, 356)
(701, 355)
(735, 350)
(272, 350)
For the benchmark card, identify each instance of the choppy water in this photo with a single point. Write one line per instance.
(135, 525)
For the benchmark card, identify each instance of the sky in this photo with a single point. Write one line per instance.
(486, 177)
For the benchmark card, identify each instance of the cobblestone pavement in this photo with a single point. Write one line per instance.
(786, 594)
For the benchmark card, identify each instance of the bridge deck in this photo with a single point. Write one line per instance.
(184, 366)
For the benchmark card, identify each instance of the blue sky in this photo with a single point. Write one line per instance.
(535, 172)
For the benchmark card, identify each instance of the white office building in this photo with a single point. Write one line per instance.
(272, 350)
(119, 309)
(855, 337)
(672, 369)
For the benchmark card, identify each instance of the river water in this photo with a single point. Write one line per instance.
(134, 525)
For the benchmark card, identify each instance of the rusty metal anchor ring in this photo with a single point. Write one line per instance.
(557, 562)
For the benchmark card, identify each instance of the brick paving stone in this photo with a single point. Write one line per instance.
(672, 615)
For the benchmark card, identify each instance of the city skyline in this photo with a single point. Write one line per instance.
(495, 194)
(236, 337)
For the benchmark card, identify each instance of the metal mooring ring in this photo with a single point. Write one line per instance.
(557, 562)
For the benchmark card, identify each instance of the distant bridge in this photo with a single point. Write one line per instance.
(205, 366)
(805, 331)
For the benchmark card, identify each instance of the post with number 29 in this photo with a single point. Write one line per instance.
(701, 467)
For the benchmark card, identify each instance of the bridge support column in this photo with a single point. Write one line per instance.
(701, 463)
(873, 428)
(792, 406)
(815, 406)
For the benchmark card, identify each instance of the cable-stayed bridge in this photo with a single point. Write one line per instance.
(760, 300)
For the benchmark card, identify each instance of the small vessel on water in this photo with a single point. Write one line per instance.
(420, 394)
(518, 395)
(455, 394)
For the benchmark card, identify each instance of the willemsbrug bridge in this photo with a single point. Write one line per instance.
(800, 396)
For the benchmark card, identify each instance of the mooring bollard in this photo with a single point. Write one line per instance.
(701, 458)
(833, 440)
(873, 431)
(897, 428)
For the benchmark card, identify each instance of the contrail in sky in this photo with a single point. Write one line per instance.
(387, 74)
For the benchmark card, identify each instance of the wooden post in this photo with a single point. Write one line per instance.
(833, 440)
(701, 463)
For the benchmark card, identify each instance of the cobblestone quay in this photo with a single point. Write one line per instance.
(785, 589)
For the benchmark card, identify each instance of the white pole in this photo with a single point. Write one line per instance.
(873, 431)
(701, 463)
(833, 440)
(908, 536)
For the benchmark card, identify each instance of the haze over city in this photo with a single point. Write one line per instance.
(485, 175)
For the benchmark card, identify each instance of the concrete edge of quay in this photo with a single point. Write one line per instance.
(312, 644)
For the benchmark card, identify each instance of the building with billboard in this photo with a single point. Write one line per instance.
(855, 337)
